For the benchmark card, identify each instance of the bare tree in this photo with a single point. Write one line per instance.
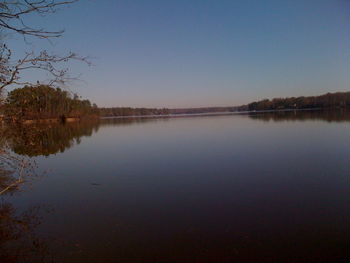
(14, 171)
(43, 61)
(13, 16)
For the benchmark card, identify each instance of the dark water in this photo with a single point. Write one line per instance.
(272, 187)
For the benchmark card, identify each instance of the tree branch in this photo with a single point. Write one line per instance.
(12, 14)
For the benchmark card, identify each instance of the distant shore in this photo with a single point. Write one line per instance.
(18, 109)
(208, 114)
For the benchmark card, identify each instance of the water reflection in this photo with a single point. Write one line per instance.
(52, 138)
(340, 115)
(45, 139)
(196, 189)
(18, 240)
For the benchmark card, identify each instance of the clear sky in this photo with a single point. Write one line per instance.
(187, 53)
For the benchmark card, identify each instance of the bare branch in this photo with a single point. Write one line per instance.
(45, 62)
(19, 170)
(13, 13)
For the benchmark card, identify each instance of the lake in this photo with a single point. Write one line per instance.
(260, 187)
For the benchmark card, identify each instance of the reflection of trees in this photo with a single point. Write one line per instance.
(51, 138)
(46, 139)
(14, 171)
(304, 115)
(18, 243)
(125, 121)
(20, 142)
(334, 115)
(6, 171)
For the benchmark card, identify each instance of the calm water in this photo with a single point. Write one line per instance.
(272, 187)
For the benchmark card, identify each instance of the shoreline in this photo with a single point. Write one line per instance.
(206, 114)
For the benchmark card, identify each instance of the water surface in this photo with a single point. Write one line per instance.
(270, 187)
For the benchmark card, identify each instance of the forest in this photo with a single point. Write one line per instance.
(44, 102)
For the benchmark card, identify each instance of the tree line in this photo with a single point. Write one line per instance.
(329, 100)
(128, 111)
(45, 102)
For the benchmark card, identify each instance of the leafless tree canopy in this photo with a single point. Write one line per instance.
(13, 14)
(43, 61)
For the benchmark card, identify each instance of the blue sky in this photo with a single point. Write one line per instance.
(188, 53)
